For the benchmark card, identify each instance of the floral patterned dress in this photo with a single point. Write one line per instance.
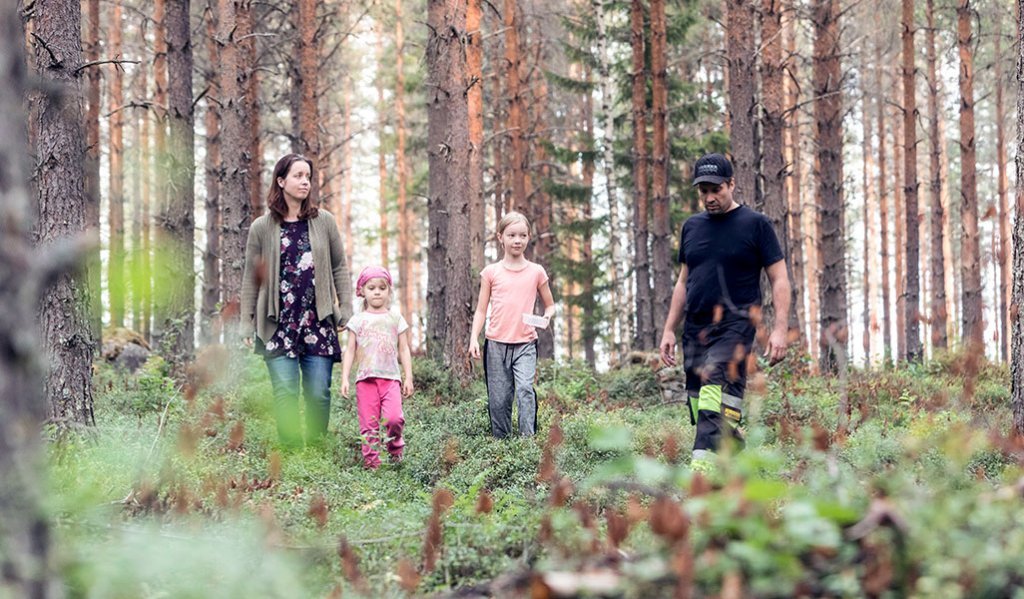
(298, 332)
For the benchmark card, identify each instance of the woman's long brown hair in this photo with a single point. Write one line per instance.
(275, 197)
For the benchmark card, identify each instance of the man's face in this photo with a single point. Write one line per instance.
(717, 197)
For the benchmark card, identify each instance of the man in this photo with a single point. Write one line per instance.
(722, 252)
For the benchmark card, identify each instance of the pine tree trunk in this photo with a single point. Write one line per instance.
(448, 124)
(1017, 299)
(588, 309)
(828, 113)
(25, 542)
(59, 177)
(794, 195)
(644, 334)
(211, 257)
(912, 333)
(774, 169)
(867, 178)
(661, 245)
(899, 258)
(516, 109)
(176, 231)
(140, 185)
(309, 112)
(883, 212)
(144, 278)
(160, 166)
(970, 256)
(346, 181)
(235, 185)
(92, 167)
(619, 310)
(1003, 253)
(939, 314)
(740, 41)
(382, 169)
(249, 97)
(405, 220)
(115, 201)
(474, 62)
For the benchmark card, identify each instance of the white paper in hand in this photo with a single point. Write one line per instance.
(535, 321)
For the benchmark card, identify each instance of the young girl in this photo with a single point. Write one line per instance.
(378, 340)
(510, 288)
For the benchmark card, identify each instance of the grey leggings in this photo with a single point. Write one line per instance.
(509, 369)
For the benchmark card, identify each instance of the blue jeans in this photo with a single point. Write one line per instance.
(316, 390)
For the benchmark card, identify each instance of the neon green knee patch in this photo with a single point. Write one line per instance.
(710, 398)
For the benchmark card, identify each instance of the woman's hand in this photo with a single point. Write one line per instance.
(344, 388)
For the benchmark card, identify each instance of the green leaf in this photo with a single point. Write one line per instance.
(610, 438)
(765, 490)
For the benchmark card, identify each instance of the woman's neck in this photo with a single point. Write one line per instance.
(294, 208)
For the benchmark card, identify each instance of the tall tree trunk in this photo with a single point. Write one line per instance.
(970, 263)
(448, 124)
(939, 314)
(346, 181)
(619, 310)
(405, 217)
(144, 279)
(211, 257)
(140, 187)
(793, 195)
(588, 328)
(828, 113)
(867, 177)
(161, 163)
(913, 227)
(540, 201)
(176, 231)
(25, 543)
(115, 201)
(56, 117)
(1003, 253)
(382, 168)
(235, 185)
(474, 62)
(774, 169)
(883, 212)
(740, 41)
(644, 334)
(92, 167)
(249, 97)
(661, 245)
(516, 109)
(899, 229)
(1017, 299)
(309, 66)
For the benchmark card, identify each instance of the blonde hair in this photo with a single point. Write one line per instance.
(511, 218)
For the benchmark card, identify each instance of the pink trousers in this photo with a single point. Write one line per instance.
(379, 405)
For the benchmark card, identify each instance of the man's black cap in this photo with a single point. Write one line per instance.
(712, 168)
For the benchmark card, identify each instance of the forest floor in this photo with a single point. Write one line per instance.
(186, 493)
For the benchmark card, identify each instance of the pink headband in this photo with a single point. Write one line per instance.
(372, 272)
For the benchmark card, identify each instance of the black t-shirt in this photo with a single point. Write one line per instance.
(724, 255)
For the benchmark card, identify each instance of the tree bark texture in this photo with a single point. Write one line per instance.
(867, 178)
(140, 185)
(160, 164)
(115, 200)
(448, 124)
(382, 166)
(644, 333)
(92, 165)
(1004, 250)
(774, 170)
(828, 114)
(474, 62)
(236, 173)
(939, 314)
(970, 255)
(661, 245)
(25, 542)
(249, 83)
(912, 229)
(406, 253)
(794, 198)
(899, 234)
(211, 255)
(56, 117)
(516, 109)
(883, 212)
(176, 220)
(740, 41)
(309, 112)
(1017, 299)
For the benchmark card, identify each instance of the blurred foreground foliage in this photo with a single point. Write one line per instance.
(184, 492)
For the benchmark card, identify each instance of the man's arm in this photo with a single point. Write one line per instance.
(675, 314)
(778, 340)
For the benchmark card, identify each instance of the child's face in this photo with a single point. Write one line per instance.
(515, 238)
(377, 293)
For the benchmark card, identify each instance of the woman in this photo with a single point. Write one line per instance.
(296, 294)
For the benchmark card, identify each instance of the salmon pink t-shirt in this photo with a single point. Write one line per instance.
(513, 293)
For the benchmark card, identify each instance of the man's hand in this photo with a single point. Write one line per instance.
(777, 343)
(668, 348)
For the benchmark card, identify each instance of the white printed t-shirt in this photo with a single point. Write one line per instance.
(377, 344)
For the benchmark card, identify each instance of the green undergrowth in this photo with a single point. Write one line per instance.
(185, 492)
